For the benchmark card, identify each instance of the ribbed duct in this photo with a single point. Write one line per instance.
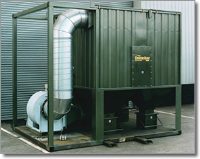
(64, 27)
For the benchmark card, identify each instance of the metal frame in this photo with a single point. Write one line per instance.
(97, 93)
(50, 16)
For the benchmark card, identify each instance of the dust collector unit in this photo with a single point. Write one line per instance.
(64, 27)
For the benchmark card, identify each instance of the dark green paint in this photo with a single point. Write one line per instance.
(123, 114)
(50, 78)
(14, 40)
(178, 108)
(119, 30)
(146, 121)
(31, 10)
(110, 122)
(37, 17)
(142, 70)
(98, 116)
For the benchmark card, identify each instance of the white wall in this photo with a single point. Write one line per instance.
(188, 31)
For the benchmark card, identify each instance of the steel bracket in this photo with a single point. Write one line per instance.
(150, 14)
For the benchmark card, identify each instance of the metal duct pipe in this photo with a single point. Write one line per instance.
(65, 25)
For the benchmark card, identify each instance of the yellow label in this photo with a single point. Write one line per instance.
(139, 58)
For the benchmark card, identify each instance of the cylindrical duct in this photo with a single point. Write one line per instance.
(64, 27)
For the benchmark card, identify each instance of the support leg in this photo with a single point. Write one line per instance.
(98, 116)
(14, 47)
(178, 108)
(50, 80)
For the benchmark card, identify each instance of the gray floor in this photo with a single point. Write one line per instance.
(179, 144)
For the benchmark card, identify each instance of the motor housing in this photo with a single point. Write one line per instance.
(37, 115)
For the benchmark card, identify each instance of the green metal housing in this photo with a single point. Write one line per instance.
(104, 66)
(125, 37)
(120, 31)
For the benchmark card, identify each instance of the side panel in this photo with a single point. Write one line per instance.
(167, 49)
(115, 48)
(119, 30)
(83, 61)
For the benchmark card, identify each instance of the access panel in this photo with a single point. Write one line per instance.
(142, 66)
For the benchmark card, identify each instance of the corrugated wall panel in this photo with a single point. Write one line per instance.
(119, 30)
(31, 57)
(188, 43)
(32, 53)
(166, 49)
(83, 61)
(115, 43)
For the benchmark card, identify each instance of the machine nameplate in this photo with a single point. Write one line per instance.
(140, 58)
(142, 66)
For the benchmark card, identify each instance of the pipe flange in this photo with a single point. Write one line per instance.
(42, 109)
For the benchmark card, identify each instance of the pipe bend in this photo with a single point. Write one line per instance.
(70, 20)
(64, 27)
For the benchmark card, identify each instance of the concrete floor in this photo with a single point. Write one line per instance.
(179, 144)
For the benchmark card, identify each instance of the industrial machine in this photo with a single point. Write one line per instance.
(99, 60)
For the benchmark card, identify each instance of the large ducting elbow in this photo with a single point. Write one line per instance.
(64, 27)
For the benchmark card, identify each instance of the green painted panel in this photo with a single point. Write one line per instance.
(120, 30)
(83, 61)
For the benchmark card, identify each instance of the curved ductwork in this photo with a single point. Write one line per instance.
(64, 26)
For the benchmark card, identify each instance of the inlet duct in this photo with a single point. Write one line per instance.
(64, 27)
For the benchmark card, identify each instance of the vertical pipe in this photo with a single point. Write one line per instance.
(63, 29)
(50, 79)
(14, 68)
